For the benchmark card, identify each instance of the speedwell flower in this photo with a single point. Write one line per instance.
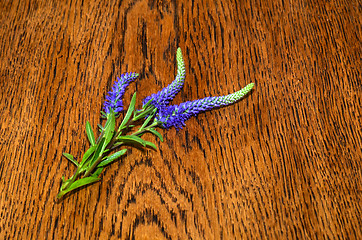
(163, 97)
(176, 115)
(114, 99)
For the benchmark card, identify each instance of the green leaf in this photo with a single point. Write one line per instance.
(104, 115)
(132, 140)
(117, 145)
(109, 128)
(148, 119)
(97, 172)
(151, 145)
(71, 158)
(90, 133)
(80, 183)
(100, 127)
(147, 104)
(111, 158)
(145, 113)
(87, 154)
(156, 133)
(65, 183)
(129, 112)
(98, 152)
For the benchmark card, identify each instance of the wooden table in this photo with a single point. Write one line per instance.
(283, 163)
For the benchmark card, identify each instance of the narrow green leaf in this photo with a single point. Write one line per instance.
(80, 183)
(90, 133)
(97, 172)
(65, 183)
(109, 128)
(156, 133)
(98, 152)
(104, 115)
(149, 118)
(145, 113)
(151, 145)
(129, 112)
(100, 127)
(71, 158)
(117, 145)
(137, 141)
(88, 153)
(132, 140)
(111, 158)
(147, 104)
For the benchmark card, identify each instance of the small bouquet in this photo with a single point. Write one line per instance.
(155, 113)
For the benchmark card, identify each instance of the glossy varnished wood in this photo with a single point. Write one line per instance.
(284, 163)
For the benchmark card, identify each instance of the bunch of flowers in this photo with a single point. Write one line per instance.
(156, 112)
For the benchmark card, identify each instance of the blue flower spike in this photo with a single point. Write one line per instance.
(114, 99)
(163, 97)
(176, 115)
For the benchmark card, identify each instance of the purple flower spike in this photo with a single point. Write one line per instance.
(163, 97)
(176, 115)
(114, 99)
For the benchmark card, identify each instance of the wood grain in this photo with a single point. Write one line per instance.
(284, 163)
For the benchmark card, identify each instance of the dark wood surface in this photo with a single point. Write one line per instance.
(284, 163)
